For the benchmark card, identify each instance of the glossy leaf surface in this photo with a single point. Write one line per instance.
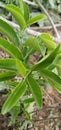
(48, 41)
(45, 62)
(14, 97)
(9, 32)
(21, 68)
(10, 48)
(35, 19)
(7, 75)
(17, 14)
(55, 80)
(36, 91)
(8, 64)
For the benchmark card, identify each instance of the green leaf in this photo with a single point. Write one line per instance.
(36, 91)
(57, 63)
(32, 42)
(21, 68)
(8, 64)
(12, 83)
(46, 35)
(11, 49)
(12, 99)
(35, 19)
(17, 14)
(21, 6)
(28, 100)
(19, 10)
(8, 31)
(55, 86)
(26, 12)
(53, 78)
(45, 62)
(48, 41)
(7, 75)
(26, 114)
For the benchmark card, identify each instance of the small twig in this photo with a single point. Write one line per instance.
(45, 11)
(46, 27)
(48, 16)
(30, 3)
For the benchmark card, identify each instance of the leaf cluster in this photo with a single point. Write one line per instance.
(16, 64)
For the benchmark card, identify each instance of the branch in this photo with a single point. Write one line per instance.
(30, 3)
(47, 27)
(48, 16)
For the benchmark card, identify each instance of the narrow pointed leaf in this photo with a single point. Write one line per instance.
(57, 64)
(32, 42)
(55, 86)
(36, 91)
(21, 68)
(26, 12)
(55, 79)
(28, 100)
(17, 14)
(7, 75)
(21, 5)
(9, 32)
(19, 10)
(35, 19)
(14, 97)
(45, 62)
(10, 48)
(8, 64)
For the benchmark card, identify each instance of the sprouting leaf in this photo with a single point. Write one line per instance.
(8, 31)
(54, 79)
(48, 41)
(46, 35)
(45, 62)
(32, 42)
(17, 14)
(35, 19)
(8, 64)
(36, 91)
(7, 75)
(21, 68)
(11, 49)
(12, 99)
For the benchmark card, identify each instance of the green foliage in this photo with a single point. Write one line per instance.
(9, 32)
(36, 91)
(14, 96)
(10, 49)
(32, 42)
(7, 75)
(16, 63)
(48, 41)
